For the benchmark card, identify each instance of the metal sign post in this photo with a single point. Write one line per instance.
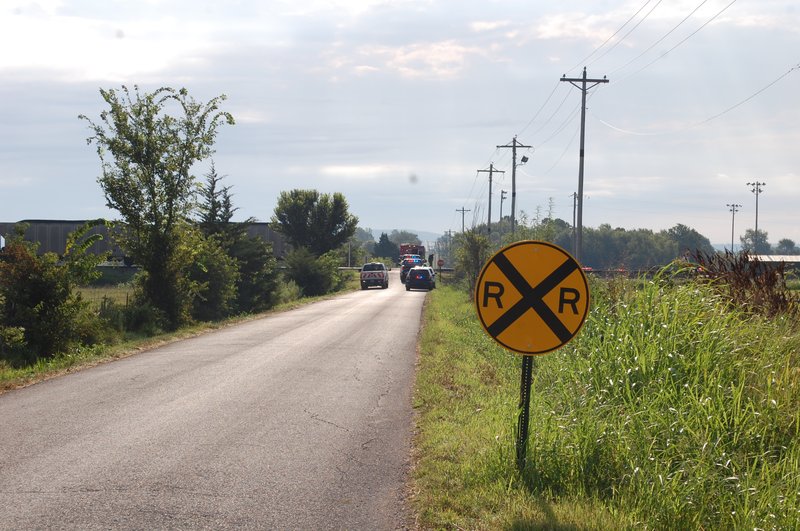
(523, 411)
(532, 297)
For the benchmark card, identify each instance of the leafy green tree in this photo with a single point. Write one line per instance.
(689, 240)
(404, 236)
(257, 277)
(615, 248)
(214, 274)
(365, 240)
(364, 235)
(38, 295)
(318, 222)
(385, 248)
(786, 246)
(146, 155)
(755, 243)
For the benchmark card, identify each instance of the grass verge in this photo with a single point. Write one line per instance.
(668, 411)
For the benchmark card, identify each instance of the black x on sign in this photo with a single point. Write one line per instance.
(532, 297)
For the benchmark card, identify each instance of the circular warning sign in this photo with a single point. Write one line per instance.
(532, 297)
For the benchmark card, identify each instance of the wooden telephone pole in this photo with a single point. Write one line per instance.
(583, 84)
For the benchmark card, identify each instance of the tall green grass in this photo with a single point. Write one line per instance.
(668, 411)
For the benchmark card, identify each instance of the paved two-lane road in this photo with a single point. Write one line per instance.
(301, 420)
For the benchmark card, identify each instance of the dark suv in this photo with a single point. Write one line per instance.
(420, 278)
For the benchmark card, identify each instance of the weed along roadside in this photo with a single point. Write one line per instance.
(671, 409)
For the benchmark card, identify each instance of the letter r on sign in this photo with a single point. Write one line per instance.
(489, 293)
(568, 297)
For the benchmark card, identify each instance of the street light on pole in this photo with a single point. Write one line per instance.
(755, 187)
(514, 145)
(734, 208)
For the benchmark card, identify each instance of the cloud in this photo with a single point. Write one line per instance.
(437, 60)
(484, 26)
(357, 172)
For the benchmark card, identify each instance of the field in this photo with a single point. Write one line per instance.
(96, 295)
(670, 410)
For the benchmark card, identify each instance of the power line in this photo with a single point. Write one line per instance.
(750, 97)
(629, 32)
(656, 43)
(707, 120)
(583, 61)
(692, 34)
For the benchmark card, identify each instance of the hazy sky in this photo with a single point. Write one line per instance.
(398, 103)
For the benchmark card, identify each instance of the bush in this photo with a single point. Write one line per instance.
(38, 296)
(315, 276)
(288, 291)
(258, 274)
(214, 275)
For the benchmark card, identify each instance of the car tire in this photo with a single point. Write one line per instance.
(408, 288)
(385, 285)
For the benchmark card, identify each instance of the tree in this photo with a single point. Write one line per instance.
(214, 274)
(146, 155)
(216, 209)
(256, 281)
(404, 236)
(318, 222)
(786, 246)
(472, 252)
(385, 248)
(689, 240)
(755, 243)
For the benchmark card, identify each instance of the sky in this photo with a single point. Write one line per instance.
(398, 104)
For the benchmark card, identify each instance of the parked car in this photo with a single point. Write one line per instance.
(420, 278)
(374, 274)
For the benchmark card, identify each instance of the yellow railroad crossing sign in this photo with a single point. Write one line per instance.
(532, 297)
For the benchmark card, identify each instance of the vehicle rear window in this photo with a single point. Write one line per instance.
(372, 267)
(422, 273)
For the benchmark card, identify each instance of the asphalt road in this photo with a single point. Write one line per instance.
(301, 420)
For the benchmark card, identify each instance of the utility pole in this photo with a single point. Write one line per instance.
(491, 170)
(581, 84)
(756, 189)
(502, 198)
(574, 206)
(463, 211)
(734, 208)
(514, 145)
